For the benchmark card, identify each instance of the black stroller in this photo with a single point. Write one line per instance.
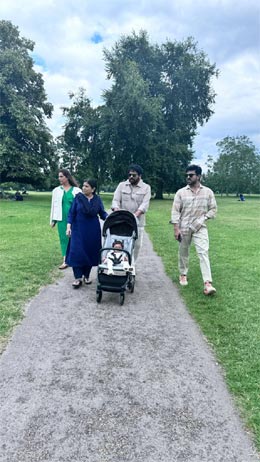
(119, 226)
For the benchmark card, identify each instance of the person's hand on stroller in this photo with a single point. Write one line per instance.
(138, 213)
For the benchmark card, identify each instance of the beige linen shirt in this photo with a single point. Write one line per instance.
(132, 198)
(191, 209)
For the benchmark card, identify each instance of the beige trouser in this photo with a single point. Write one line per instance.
(139, 241)
(201, 242)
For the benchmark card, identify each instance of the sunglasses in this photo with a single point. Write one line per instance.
(190, 175)
(132, 174)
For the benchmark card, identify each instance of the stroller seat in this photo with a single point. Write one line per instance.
(115, 276)
(127, 250)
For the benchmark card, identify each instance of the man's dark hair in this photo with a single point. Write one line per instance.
(135, 168)
(196, 168)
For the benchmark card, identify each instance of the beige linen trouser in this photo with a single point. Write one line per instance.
(139, 241)
(201, 242)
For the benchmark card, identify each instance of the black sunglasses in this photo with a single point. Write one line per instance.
(190, 175)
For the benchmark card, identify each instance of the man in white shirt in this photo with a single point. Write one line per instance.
(134, 195)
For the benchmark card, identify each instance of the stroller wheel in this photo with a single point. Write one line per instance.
(99, 296)
(131, 283)
(121, 299)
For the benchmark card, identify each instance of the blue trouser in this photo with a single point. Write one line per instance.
(80, 271)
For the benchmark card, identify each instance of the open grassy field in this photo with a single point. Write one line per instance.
(30, 254)
(231, 319)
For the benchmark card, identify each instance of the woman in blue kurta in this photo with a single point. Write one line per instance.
(84, 230)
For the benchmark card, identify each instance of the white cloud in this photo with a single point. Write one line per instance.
(227, 30)
(237, 109)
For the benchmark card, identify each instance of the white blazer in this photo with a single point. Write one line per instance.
(56, 202)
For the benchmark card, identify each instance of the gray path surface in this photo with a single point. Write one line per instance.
(82, 381)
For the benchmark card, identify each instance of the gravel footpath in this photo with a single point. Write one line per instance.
(82, 381)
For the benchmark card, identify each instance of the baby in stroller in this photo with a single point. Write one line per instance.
(116, 257)
(116, 270)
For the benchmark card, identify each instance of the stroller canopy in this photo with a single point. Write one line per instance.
(122, 223)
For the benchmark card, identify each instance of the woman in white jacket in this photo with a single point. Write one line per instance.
(62, 198)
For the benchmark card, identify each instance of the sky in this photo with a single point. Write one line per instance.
(70, 36)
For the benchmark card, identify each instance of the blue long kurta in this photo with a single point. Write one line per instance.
(85, 242)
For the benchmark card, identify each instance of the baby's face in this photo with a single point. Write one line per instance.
(118, 246)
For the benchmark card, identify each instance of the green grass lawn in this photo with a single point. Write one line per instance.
(231, 319)
(30, 255)
(29, 252)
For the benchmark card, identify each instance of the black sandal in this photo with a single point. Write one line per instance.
(76, 284)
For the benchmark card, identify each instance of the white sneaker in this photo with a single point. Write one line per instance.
(209, 289)
(183, 280)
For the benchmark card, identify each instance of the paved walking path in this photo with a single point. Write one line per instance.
(82, 381)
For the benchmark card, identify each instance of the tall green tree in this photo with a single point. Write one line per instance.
(84, 140)
(237, 169)
(133, 116)
(25, 141)
(173, 83)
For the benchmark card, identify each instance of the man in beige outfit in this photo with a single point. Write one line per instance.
(134, 195)
(193, 205)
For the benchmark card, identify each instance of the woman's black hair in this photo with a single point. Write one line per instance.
(69, 177)
(92, 182)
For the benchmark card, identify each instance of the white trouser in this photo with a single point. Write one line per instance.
(201, 242)
(139, 241)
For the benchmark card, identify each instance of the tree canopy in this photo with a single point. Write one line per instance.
(25, 140)
(84, 140)
(237, 169)
(158, 97)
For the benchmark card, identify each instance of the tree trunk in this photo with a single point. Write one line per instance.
(159, 190)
